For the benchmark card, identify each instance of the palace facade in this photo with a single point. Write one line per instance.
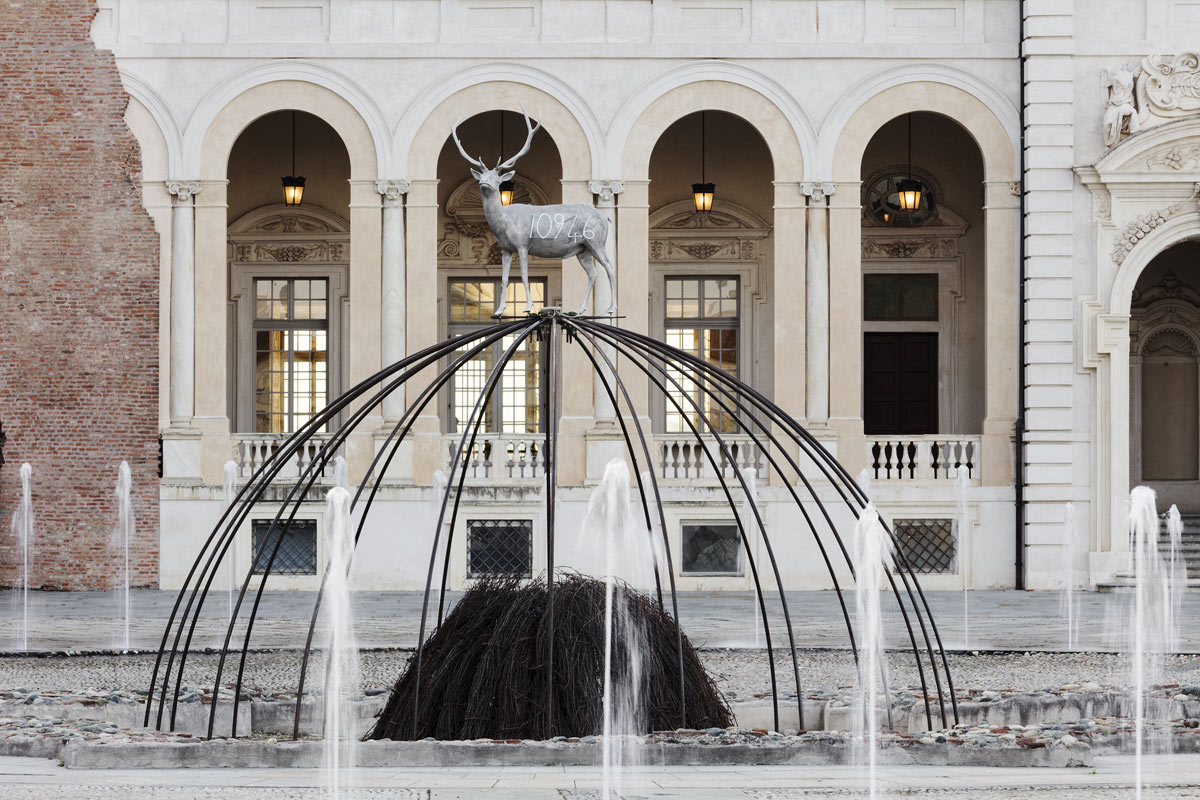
(1026, 337)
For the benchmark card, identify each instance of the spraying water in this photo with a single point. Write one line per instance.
(341, 473)
(22, 526)
(122, 537)
(872, 557)
(628, 555)
(1150, 622)
(962, 524)
(864, 481)
(229, 490)
(1069, 601)
(342, 675)
(1176, 575)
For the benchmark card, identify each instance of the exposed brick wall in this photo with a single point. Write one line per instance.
(78, 300)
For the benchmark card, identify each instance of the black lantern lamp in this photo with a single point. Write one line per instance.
(506, 187)
(908, 191)
(703, 192)
(293, 185)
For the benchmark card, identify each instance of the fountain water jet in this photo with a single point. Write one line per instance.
(22, 526)
(628, 554)
(341, 473)
(229, 494)
(872, 558)
(1150, 620)
(122, 537)
(1176, 575)
(342, 674)
(962, 524)
(1069, 601)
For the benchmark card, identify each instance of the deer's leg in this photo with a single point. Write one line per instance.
(523, 254)
(602, 257)
(505, 265)
(585, 261)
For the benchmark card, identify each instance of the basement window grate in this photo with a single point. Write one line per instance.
(297, 553)
(501, 547)
(927, 544)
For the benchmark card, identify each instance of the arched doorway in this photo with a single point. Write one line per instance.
(1164, 378)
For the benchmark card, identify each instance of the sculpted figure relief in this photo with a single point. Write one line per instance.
(1120, 112)
(551, 231)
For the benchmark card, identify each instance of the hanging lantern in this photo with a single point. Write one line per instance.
(908, 194)
(703, 192)
(293, 185)
(506, 192)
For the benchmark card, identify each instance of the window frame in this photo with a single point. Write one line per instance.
(243, 334)
(455, 329)
(703, 324)
(684, 524)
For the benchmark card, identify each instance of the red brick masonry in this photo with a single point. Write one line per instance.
(79, 299)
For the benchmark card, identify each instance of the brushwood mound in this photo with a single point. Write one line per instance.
(484, 669)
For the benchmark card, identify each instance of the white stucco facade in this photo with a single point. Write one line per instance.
(816, 81)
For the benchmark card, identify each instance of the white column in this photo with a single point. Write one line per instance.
(183, 303)
(817, 305)
(392, 287)
(606, 199)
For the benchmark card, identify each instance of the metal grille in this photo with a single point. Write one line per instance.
(499, 547)
(928, 544)
(712, 549)
(297, 554)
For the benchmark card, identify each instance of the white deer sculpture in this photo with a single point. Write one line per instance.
(557, 231)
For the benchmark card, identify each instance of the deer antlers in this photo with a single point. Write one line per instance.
(508, 163)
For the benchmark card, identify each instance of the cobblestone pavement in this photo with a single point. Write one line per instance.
(998, 620)
(1166, 777)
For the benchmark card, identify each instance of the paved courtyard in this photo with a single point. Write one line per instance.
(1166, 778)
(996, 620)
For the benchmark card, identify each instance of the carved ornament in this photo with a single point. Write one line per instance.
(927, 247)
(319, 252)
(1169, 288)
(1135, 231)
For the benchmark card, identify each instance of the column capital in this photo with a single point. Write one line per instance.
(817, 191)
(607, 190)
(183, 191)
(393, 191)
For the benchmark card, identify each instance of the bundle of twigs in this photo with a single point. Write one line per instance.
(484, 669)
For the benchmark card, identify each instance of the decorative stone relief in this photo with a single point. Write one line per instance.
(1135, 231)
(1102, 205)
(290, 223)
(679, 234)
(183, 191)
(930, 247)
(308, 251)
(1140, 95)
(1169, 288)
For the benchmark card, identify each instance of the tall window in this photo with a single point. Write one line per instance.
(517, 398)
(701, 319)
(291, 352)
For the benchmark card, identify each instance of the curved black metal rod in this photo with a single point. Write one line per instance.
(658, 502)
(551, 478)
(821, 458)
(249, 494)
(390, 447)
(311, 472)
(741, 527)
(473, 430)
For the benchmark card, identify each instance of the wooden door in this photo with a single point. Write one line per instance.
(900, 383)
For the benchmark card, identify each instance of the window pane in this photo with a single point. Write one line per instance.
(279, 299)
(881, 297)
(472, 301)
(308, 375)
(714, 549)
(519, 395)
(516, 296)
(262, 299)
(687, 392)
(270, 382)
(468, 384)
(720, 297)
(683, 298)
(920, 297)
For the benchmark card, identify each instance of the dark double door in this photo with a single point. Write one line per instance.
(900, 383)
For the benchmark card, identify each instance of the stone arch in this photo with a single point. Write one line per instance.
(720, 87)
(569, 137)
(155, 128)
(1173, 230)
(978, 109)
(228, 110)
(423, 129)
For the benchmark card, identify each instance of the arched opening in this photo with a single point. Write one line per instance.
(470, 279)
(924, 278)
(1164, 378)
(289, 274)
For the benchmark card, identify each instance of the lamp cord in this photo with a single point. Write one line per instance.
(293, 142)
(703, 159)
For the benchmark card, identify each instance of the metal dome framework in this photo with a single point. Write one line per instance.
(609, 349)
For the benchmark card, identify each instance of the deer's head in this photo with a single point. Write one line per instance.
(490, 178)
